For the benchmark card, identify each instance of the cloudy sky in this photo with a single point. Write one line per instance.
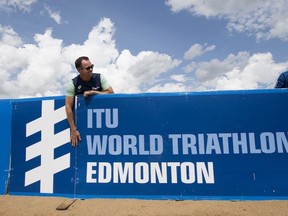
(142, 45)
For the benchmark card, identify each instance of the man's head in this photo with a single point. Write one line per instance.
(83, 65)
(78, 62)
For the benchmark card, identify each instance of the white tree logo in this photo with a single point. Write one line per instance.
(45, 148)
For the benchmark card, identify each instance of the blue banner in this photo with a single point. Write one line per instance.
(206, 145)
(194, 145)
(5, 132)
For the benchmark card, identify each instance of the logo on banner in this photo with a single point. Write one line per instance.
(45, 148)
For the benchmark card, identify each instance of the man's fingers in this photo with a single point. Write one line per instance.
(74, 141)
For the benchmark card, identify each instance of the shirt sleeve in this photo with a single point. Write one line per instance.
(104, 82)
(70, 89)
(280, 81)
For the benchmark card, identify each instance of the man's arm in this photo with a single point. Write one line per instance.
(75, 135)
(94, 92)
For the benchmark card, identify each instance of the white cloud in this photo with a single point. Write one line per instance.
(237, 72)
(100, 45)
(215, 67)
(211, 8)
(9, 36)
(149, 65)
(43, 68)
(265, 19)
(55, 15)
(169, 87)
(24, 5)
(178, 78)
(198, 50)
(40, 70)
(132, 72)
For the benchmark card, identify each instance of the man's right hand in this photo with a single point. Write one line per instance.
(75, 138)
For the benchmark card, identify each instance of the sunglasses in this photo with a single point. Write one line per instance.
(89, 67)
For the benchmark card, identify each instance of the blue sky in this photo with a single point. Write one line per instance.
(142, 46)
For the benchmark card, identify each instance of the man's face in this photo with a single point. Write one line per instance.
(87, 68)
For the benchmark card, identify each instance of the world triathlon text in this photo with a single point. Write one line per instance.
(188, 144)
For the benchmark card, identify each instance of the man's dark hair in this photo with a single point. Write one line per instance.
(78, 62)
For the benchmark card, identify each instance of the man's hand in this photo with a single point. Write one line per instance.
(75, 137)
(95, 92)
(91, 92)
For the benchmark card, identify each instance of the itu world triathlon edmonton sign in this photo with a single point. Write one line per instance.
(212, 145)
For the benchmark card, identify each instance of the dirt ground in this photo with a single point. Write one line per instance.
(38, 206)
